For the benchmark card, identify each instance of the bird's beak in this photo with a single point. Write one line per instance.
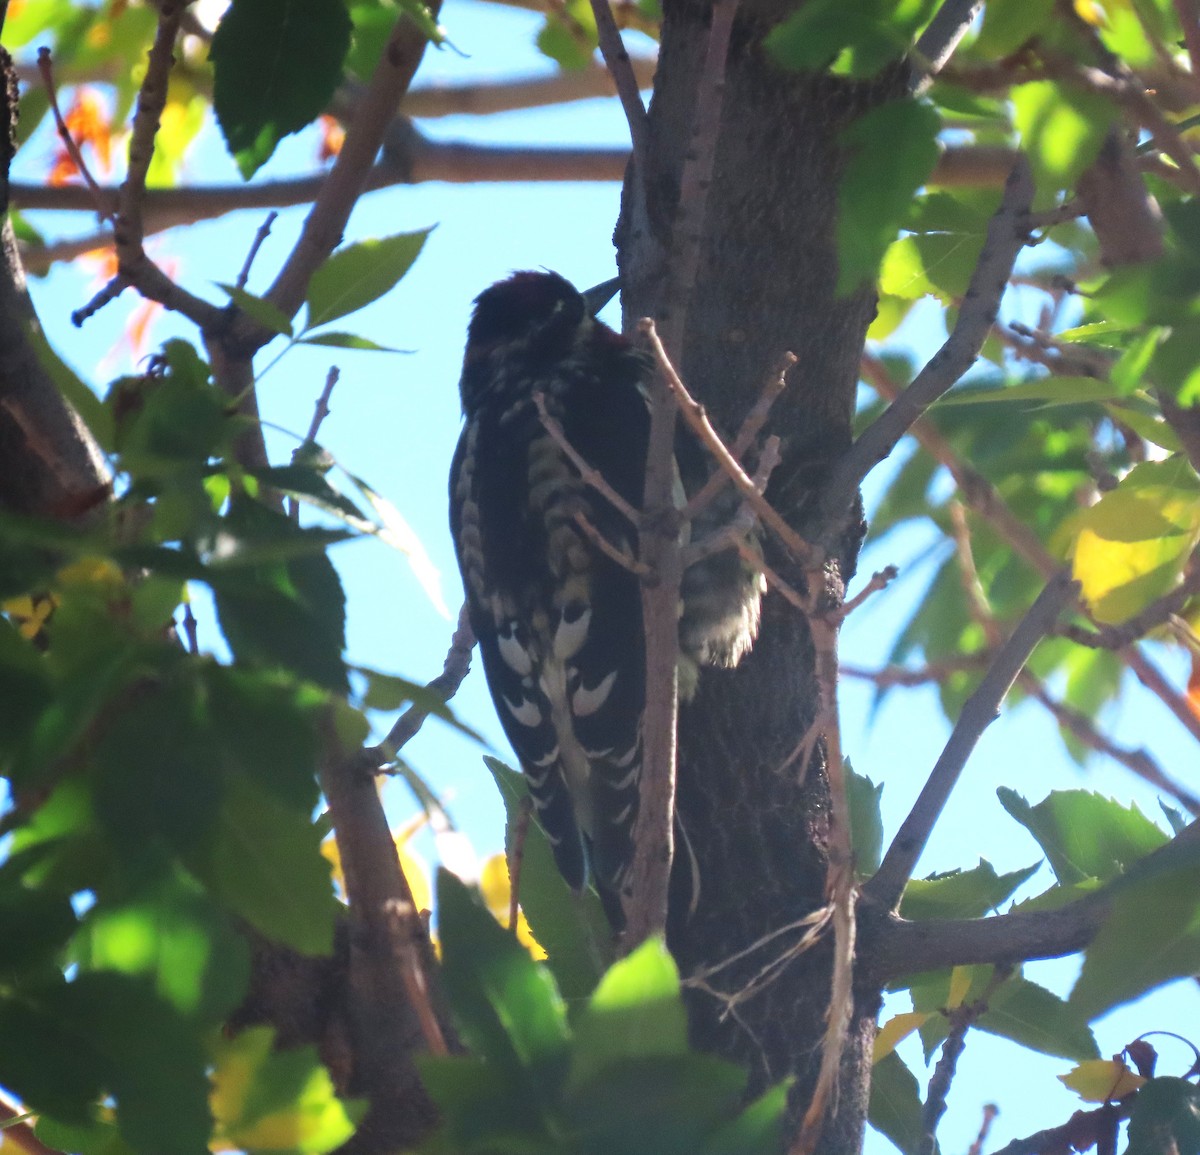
(599, 295)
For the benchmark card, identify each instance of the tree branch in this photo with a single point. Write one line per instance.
(937, 43)
(620, 68)
(1006, 236)
(888, 883)
(898, 947)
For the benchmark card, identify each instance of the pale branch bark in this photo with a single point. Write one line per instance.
(644, 890)
(840, 874)
(394, 1009)
(1006, 236)
(888, 883)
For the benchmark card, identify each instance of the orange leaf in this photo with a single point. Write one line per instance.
(1193, 686)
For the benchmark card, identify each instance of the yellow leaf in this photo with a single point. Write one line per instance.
(1090, 12)
(1099, 1080)
(896, 1028)
(496, 889)
(30, 614)
(1131, 546)
(960, 984)
(90, 571)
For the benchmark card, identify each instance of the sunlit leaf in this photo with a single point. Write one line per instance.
(358, 274)
(1101, 1080)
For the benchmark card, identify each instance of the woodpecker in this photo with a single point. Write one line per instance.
(558, 620)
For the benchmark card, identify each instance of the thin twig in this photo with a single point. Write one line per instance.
(128, 232)
(190, 629)
(347, 178)
(516, 859)
(1157, 613)
(1081, 727)
(103, 205)
(606, 547)
(1152, 678)
(588, 474)
(444, 686)
(696, 417)
(110, 292)
(990, 1111)
(961, 1020)
(1006, 236)
(620, 68)
(888, 883)
(264, 231)
(696, 179)
(1188, 13)
(935, 672)
(746, 436)
(320, 412)
(880, 580)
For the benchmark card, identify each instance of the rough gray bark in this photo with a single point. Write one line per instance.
(766, 285)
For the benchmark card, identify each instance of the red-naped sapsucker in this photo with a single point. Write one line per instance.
(559, 623)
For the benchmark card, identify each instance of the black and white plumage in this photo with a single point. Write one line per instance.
(559, 623)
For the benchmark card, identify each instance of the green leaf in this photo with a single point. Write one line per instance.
(481, 1111)
(895, 1106)
(569, 35)
(1047, 390)
(866, 821)
(358, 274)
(636, 1012)
(1166, 1117)
(892, 150)
(1062, 129)
(861, 38)
(961, 893)
(276, 64)
(1152, 935)
(506, 1004)
(288, 614)
(349, 341)
(665, 1105)
(1007, 24)
(571, 928)
(266, 314)
(265, 864)
(758, 1130)
(1034, 1017)
(277, 1100)
(170, 933)
(1084, 835)
(108, 1034)
(37, 925)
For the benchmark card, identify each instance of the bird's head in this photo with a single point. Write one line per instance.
(538, 317)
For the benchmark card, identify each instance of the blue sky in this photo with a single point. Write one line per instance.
(395, 421)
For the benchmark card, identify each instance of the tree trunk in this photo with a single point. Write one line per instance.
(757, 825)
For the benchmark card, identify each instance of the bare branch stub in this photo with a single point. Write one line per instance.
(264, 231)
(888, 883)
(445, 686)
